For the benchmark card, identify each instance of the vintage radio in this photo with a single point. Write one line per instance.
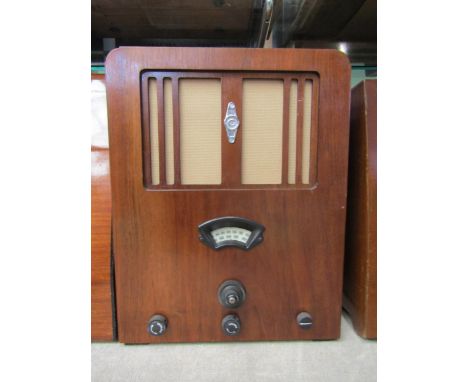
(229, 172)
(360, 273)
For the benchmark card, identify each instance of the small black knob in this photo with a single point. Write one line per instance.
(231, 325)
(157, 325)
(304, 320)
(231, 294)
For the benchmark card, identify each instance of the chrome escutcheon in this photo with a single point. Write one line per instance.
(231, 122)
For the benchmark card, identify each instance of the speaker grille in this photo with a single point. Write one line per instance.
(262, 118)
(306, 131)
(292, 132)
(184, 139)
(169, 131)
(200, 130)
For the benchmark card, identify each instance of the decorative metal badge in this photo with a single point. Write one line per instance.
(231, 122)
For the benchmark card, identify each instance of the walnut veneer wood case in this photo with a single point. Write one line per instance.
(229, 174)
(360, 276)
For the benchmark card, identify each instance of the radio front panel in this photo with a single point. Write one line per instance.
(228, 172)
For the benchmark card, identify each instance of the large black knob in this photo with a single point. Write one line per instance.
(231, 325)
(231, 294)
(157, 325)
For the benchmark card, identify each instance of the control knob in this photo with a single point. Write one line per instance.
(157, 325)
(231, 325)
(231, 294)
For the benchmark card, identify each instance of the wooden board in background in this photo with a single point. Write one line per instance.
(360, 277)
(101, 294)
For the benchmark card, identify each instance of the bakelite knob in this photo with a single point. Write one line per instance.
(231, 325)
(157, 325)
(231, 294)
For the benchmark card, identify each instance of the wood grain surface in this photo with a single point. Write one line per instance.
(360, 277)
(101, 296)
(162, 267)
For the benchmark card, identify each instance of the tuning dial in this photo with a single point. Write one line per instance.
(231, 325)
(304, 320)
(231, 294)
(157, 325)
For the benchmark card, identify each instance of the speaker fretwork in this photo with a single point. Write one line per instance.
(154, 133)
(183, 131)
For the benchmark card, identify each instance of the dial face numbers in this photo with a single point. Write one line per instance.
(231, 231)
(231, 234)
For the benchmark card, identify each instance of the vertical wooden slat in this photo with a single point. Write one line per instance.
(176, 115)
(314, 131)
(161, 132)
(231, 90)
(299, 128)
(284, 167)
(147, 176)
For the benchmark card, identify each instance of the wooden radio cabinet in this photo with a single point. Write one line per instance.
(229, 174)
